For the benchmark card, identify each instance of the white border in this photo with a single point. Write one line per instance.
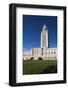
(19, 32)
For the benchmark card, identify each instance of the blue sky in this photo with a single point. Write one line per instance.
(32, 27)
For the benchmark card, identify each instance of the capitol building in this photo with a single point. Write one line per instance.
(44, 52)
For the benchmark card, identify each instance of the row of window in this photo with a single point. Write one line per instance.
(52, 52)
(43, 53)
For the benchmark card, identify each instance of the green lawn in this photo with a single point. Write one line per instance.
(39, 66)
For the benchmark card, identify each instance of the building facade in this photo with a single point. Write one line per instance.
(44, 52)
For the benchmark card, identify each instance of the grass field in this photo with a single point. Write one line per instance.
(39, 66)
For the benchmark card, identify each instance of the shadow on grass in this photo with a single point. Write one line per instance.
(50, 69)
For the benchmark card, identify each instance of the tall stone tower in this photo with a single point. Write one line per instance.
(44, 37)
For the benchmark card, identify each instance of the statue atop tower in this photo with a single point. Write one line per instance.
(45, 27)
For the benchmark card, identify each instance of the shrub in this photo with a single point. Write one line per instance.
(32, 58)
(40, 58)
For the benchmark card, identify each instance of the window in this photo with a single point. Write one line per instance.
(48, 52)
(51, 52)
(54, 57)
(54, 52)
